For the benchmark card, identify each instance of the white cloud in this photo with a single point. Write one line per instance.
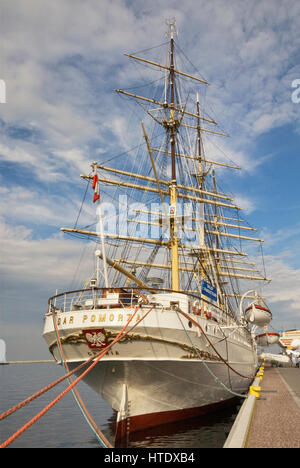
(245, 203)
(61, 62)
(51, 69)
(34, 265)
(284, 288)
(258, 46)
(280, 237)
(36, 208)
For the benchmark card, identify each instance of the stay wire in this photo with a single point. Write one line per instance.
(207, 367)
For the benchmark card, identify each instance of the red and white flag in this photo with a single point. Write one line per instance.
(96, 188)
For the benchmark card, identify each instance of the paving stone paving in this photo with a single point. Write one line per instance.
(276, 420)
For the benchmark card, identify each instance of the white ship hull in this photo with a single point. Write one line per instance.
(150, 393)
(164, 369)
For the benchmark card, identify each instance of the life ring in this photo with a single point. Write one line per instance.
(206, 313)
(196, 309)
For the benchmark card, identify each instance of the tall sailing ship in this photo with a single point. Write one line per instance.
(174, 268)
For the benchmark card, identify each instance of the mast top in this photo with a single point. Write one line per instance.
(171, 23)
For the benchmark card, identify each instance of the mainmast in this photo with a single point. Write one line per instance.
(172, 127)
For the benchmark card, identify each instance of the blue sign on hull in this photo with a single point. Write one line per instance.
(209, 291)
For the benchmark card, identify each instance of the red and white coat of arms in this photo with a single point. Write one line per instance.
(96, 338)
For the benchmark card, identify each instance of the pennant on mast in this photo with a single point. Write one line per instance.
(96, 188)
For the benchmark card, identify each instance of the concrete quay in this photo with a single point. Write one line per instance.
(270, 415)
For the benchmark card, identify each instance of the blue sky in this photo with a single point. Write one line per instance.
(61, 61)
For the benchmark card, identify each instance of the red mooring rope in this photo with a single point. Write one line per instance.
(72, 385)
(79, 399)
(43, 390)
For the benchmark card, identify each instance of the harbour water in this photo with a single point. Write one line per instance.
(64, 426)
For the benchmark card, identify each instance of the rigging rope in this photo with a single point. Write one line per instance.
(207, 367)
(210, 343)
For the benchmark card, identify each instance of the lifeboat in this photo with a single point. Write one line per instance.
(258, 314)
(267, 339)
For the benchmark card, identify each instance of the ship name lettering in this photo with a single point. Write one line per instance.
(64, 322)
(101, 318)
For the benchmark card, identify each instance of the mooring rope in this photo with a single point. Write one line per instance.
(88, 417)
(86, 414)
(43, 390)
(96, 359)
(72, 385)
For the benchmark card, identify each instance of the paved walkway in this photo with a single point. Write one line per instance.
(276, 420)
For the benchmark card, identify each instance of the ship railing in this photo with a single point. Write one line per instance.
(95, 298)
(116, 297)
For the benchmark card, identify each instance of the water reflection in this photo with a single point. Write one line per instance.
(208, 431)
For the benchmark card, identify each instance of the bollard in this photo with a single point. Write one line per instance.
(254, 391)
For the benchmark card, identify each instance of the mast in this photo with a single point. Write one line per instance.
(200, 176)
(172, 125)
(200, 179)
(101, 232)
(214, 224)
